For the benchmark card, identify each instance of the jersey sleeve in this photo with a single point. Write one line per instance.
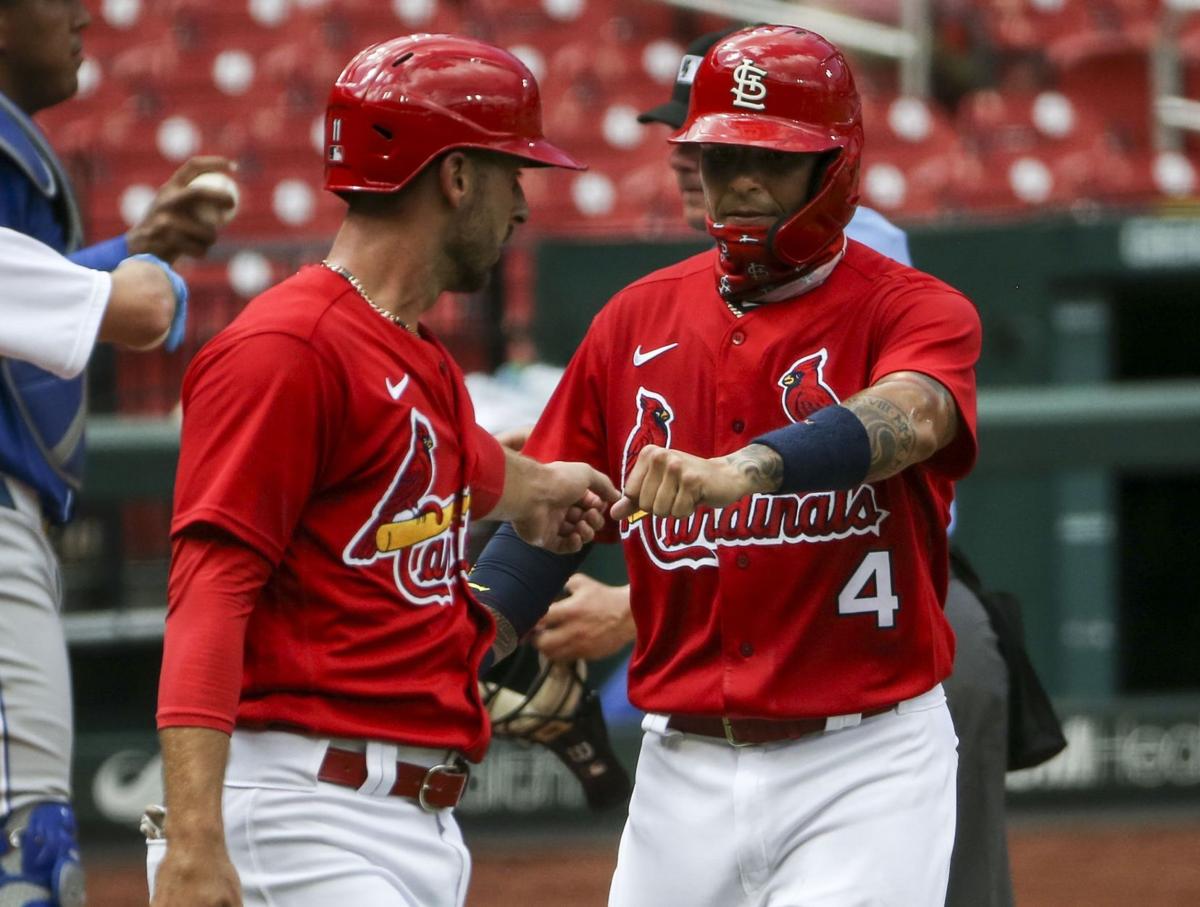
(935, 330)
(50, 309)
(255, 431)
(486, 471)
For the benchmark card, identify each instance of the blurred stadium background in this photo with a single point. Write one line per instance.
(1042, 153)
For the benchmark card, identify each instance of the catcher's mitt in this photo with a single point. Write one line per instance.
(561, 712)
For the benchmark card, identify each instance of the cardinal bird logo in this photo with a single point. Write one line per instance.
(652, 427)
(804, 387)
(408, 513)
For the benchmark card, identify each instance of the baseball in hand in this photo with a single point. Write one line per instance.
(215, 181)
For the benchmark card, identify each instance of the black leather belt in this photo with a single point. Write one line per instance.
(748, 731)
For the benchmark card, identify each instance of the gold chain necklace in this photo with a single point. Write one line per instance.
(354, 282)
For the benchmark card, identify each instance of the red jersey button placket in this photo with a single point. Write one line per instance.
(742, 560)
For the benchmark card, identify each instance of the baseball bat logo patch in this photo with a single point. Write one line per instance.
(413, 527)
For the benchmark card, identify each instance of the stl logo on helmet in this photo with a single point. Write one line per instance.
(749, 90)
(413, 527)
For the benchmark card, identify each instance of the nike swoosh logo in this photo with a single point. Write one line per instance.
(640, 358)
(397, 389)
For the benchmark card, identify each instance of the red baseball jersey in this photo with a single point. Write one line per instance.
(343, 449)
(786, 605)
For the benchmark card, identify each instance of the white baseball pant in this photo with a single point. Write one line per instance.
(299, 842)
(857, 817)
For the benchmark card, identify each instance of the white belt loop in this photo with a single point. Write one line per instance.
(840, 722)
(654, 723)
(381, 759)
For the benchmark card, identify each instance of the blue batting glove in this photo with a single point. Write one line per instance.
(179, 322)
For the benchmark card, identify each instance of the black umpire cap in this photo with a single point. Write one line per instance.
(674, 111)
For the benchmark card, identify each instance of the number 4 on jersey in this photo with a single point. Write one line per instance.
(869, 590)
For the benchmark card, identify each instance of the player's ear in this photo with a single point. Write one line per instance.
(456, 174)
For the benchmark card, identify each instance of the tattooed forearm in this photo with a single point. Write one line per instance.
(760, 466)
(890, 431)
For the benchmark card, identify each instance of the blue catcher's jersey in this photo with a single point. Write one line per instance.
(42, 416)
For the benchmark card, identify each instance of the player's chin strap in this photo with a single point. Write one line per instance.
(39, 858)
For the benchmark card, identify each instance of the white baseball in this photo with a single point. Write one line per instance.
(215, 181)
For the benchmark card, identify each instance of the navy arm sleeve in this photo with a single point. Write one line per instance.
(519, 580)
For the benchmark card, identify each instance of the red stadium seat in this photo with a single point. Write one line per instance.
(888, 186)
(1111, 76)
(907, 123)
(994, 123)
(1140, 19)
(140, 66)
(302, 65)
(620, 193)
(907, 162)
(1173, 175)
(1104, 174)
(1034, 25)
(1031, 179)
(201, 26)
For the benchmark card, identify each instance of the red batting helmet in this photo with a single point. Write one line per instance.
(788, 89)
(399, 104)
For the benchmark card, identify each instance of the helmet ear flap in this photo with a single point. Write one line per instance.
(812, 235)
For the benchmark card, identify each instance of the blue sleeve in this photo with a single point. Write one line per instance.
(520, 580)
(872, 229)
(103, 256)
